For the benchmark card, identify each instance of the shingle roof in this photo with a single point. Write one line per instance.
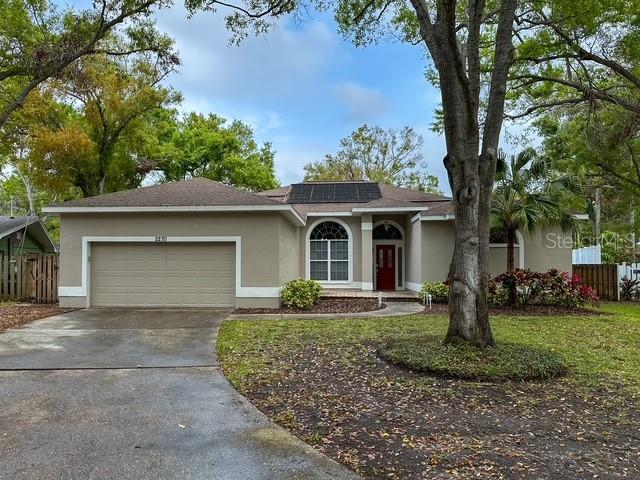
(200, 192)
(387, 202)
(276, 192)
(11, 224)
(400, 193)
(438, 208)
(186, 193)
(33, 225)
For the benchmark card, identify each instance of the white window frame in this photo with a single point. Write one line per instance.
(349, 252)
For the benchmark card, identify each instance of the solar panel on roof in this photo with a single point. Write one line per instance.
(300, 193)
(334, 192)
(368, 192)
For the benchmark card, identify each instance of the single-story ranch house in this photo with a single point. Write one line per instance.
(200, 243)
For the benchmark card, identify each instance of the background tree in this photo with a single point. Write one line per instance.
(17, 171)
(603, 150)
(210, 147)
(38, 41)
(106, 134)
(570, 56)
(528, 196)
(388, 156)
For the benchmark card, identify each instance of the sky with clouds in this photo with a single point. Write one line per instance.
(302, 87)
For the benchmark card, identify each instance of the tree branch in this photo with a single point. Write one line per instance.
(544, 106)
(588, 91)
(275, 9)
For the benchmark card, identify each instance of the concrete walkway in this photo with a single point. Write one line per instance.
(135, 394)
(393, 309)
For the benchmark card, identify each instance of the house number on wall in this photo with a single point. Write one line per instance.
(161, 238)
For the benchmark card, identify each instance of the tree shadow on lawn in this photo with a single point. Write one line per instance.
(385, 422)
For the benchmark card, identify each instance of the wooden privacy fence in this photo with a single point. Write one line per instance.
(29, 278)
(602, 278)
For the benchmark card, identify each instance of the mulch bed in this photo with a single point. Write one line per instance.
(18, 314)
(387, 423)
(325, 305)
(530, 311)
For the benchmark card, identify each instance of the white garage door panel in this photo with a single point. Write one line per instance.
(166, 274)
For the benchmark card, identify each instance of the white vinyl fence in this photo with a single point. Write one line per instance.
(629, 270)
(587, 255)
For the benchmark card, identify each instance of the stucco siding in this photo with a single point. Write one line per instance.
(498, 259)
(548, 248)
(72, 302)
(437, 250)
(289, 253)
(413, 245)
(259, 233)
(258, 302)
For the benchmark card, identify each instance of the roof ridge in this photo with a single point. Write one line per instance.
(191, 191)
(237, 189)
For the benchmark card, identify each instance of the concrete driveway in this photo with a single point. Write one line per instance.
(135, 394)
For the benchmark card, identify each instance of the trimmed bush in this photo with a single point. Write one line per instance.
(553, 287)
(438, 290)
(302, 294)
(507, 361)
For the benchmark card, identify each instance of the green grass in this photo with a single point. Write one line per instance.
(507, 361)
(595, 348)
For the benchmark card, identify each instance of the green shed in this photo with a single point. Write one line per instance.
(23, 236)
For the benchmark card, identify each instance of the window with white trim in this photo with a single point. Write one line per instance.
(329, 253)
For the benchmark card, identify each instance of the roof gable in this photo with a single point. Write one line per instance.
(30, 224)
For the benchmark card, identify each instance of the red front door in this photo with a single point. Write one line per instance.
(385, 267)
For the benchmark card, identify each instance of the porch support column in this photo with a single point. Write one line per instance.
(367, 253)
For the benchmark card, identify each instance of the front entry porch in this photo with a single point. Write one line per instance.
(384, 243)
(386, 295)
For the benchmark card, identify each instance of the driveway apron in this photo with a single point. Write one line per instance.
(135, 394)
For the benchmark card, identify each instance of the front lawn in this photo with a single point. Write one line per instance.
(324, 381)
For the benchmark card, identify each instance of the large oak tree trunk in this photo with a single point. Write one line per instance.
(468, 310)
(471, 148)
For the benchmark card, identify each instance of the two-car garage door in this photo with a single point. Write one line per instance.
(162, 274)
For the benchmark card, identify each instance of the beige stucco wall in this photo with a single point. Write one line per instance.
(269, 247)
(437, 250)
(413, 246)
(498, 259)
(546, 249)
(289, 254)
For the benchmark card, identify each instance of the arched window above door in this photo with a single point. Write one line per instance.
(386, 231)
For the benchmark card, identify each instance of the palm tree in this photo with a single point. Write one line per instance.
(529, 195)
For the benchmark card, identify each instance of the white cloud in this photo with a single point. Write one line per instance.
(292, 157)
(279, 65)
(362, 104)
